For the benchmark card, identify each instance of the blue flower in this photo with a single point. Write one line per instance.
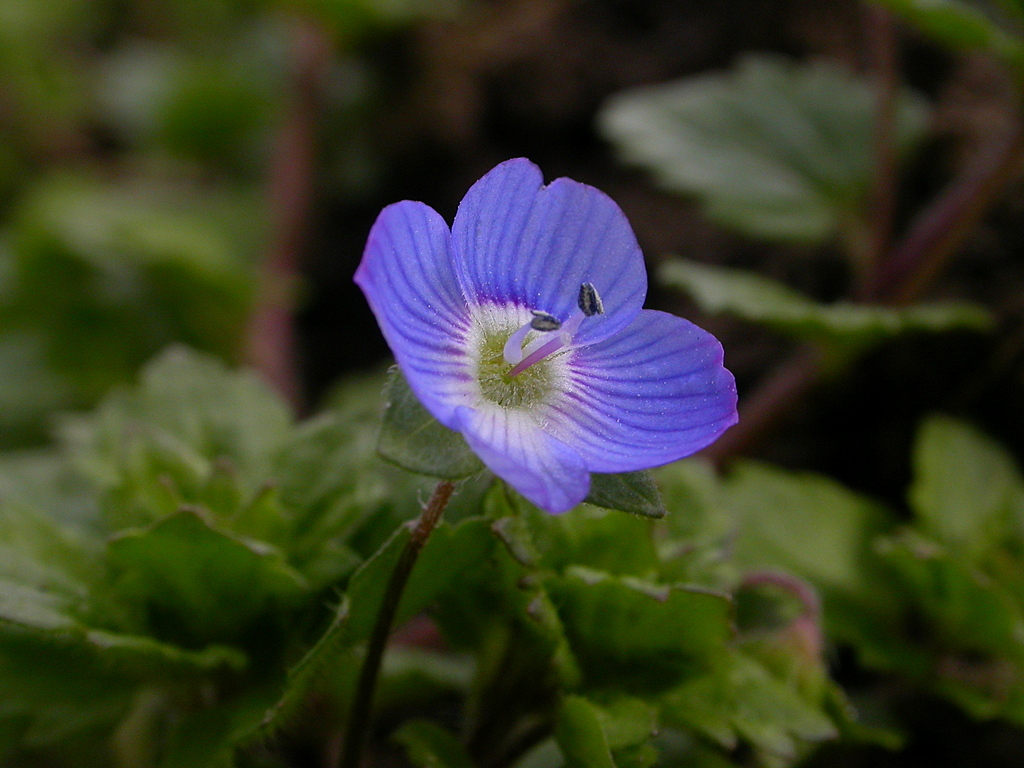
(522, 329)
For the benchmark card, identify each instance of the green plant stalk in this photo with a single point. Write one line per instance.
(362, 702)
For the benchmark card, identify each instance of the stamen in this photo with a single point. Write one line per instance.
(589, 301)
(513, 350)
(544, 345)
(542, 321)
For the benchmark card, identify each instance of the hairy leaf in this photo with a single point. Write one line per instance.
(772, 148)
(761, 300)
(414, 440)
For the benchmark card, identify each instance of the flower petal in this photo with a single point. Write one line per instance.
(655, 393)
(409, 282)
(516, 240)
(541, 468)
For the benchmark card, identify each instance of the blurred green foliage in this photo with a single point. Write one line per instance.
(772, 148)
(178, 549)
(841, 326)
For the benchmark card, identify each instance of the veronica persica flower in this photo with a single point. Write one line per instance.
(521, 327)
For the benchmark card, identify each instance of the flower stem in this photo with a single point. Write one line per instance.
(359, 718)
(882, 45)
(270, 341)
(942, 227)
(781, 391)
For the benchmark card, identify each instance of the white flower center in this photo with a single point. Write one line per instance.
(518, 364)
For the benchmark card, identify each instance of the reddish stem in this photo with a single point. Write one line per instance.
(270, 344)
(781, 391)
(943, 227)
(882, 46)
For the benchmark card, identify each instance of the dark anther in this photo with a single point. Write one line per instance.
(589, 301)
(542, 321)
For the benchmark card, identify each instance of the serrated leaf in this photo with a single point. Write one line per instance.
(965, 486)
(772, 148)
(58, 691)
(695, 537)
(447, 554)
(428, 745)
(47, 575)
(630, 633)
(968, 610)
(157, 446)
(634, 492)
(197, 582)
(414, 440)
(760, 300)
(802, 523)
(739, 699)
(596, 538)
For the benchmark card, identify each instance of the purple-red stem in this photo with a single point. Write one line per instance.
(270, 343)
(943, 227)
(763, 408)
(882, 46)
(899, 276)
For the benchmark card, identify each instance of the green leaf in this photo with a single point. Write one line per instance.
(47, 577)
(965, 487)
(639, 635)
(208, 737)
(968, 611)
(157, 446)
(695, 539)
(814, 529)
(448, 553)
(414, 440)
(596, 538)
(415, 678)
(57, 691)
(772, 148)
(634, 492)
(145, 262)
(958, 25)
(740, 699)
(627, 721)
(761, 300)
(29, 388)
(428, 745)
(580, 736)
(803, 523)
(196, 582)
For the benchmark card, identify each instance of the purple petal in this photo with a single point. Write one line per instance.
(516, 240)
(409, 282)
(544, 470)
(654, 393)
